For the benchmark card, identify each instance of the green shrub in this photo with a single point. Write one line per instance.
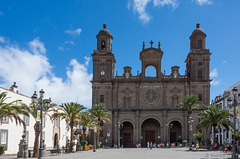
(72, 144)
(84, 142)
(184, 141)
(98, 146)
(2, 149)
(198, 137)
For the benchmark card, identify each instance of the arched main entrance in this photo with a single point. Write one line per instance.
(126, 134)
(150, 132)
(175, 132)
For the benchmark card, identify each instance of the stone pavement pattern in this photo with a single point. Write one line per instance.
(143, 153)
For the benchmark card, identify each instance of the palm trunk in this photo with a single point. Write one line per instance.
(84, 133)
(36, 142)
(98, 131)
(214, 135)
(71, 138)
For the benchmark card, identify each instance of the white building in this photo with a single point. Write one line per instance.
(11, 134)
(223, 135)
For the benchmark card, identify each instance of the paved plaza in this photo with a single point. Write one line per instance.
(140, 153)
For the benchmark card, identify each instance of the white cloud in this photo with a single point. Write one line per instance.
(225, 62)
(69, 42)
(32, 71)
(74, 32)
(2, 39)
(215, 82)
(129, 4)
(37, 47)
(165, 2)
(139, 6)
(202, 2)
(214, 73)
(60, 48)
(87, 59)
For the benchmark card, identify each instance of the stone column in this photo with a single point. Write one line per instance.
(185, 129)
(165, 129)
(114, 128)
(164, 95)
(136, 130)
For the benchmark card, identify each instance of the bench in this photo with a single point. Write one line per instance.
(89, 147)
(53, 151)
(66, 150)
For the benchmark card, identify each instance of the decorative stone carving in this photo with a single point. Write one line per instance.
(151, 96)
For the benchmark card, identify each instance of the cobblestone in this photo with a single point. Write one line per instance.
(140, 153)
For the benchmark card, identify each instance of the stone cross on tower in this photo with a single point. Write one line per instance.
(159, 45)
(151, 42)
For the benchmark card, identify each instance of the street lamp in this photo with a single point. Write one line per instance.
(168, 134)
(119, 127)
(47, 102)
(95, 131)
(190, 138)
(234, 91)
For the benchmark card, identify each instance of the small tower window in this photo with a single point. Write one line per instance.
(103, 45)
(199, 73)
(199, 44)
(199, 64)
(101, 98)
(199, 97)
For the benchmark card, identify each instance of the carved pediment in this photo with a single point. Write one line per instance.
(127, 91)
(175, 91)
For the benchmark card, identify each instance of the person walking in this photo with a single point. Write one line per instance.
(151, 145)
(147, 144)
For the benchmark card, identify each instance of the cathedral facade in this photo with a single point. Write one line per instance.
(147, 108)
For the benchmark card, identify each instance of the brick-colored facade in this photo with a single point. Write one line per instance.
(143, 106)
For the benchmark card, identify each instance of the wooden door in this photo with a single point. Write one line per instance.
(173, 137)
(127, 140)
(150, 136)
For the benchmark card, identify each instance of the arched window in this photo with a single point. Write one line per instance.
(199, 97)
(199, 73)
(174, 101)
(150, 72)
(126, 102)
(103, 45)
(199, 44)
(101, 98)
(199, 64)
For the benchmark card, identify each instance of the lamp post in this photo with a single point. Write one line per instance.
(47, 102)
(169, 126)
(119, 127)
(190, 138)
(234, 91)
(95, 130)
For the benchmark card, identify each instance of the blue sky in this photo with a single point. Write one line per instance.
(48, 44)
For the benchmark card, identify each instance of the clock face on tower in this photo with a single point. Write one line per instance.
(102, 73)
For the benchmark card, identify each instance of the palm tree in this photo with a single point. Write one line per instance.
(85, 121)
(12, 110)
(101, 114)
(33, 110)
(71, 112)
(214, 117)
(190, 102)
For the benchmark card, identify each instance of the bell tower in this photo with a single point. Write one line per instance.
(103, 58)
(197, 62)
